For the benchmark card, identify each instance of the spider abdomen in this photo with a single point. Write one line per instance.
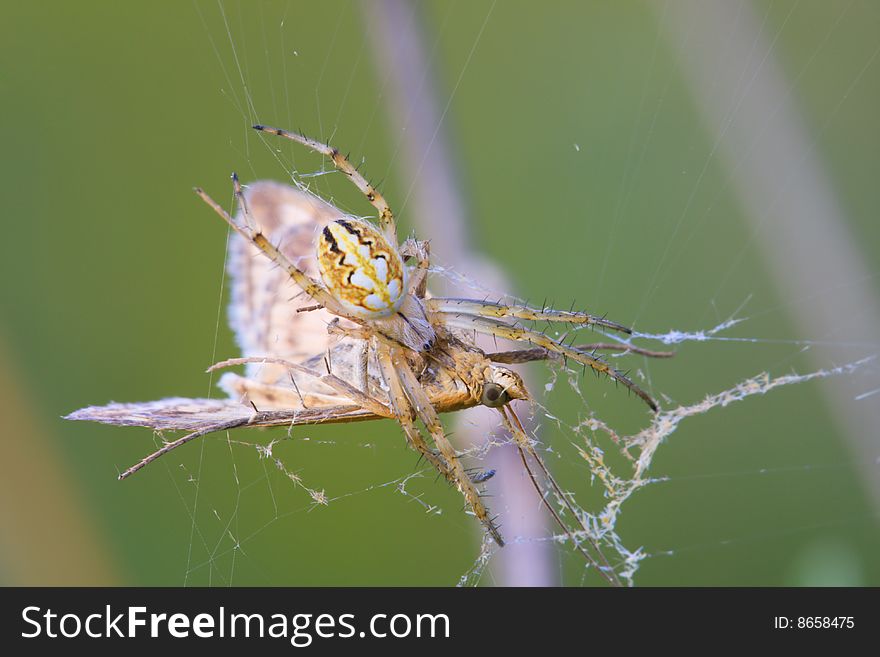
(360, 268)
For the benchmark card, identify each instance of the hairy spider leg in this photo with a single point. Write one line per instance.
(386, 217)
(539, 353)
(311, 287)
(501, 329)
(491, 309)
(408, 397)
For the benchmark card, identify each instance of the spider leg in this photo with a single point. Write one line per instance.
(458, 475)
(344, 388)
(361, 400)
(408, 395)
(403, 411)
(167, 447)
(501, 329)
(311, 287)
(524, 446)
(386, 217)
(354, 332)
(421, 251)
(539, 353)
(287, 418)
(490, 309)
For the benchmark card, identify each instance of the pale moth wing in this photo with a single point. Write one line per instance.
(263, 314)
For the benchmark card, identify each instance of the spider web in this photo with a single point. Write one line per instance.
(250, 494)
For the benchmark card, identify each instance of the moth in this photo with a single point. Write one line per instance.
(335, 323)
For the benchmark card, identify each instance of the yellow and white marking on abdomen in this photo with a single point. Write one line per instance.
(360, 268)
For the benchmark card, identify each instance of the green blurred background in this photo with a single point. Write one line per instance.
(589, 175)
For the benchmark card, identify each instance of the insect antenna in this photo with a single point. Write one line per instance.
(167, 447)
(523, 445)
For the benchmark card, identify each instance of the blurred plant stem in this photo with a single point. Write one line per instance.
(435, 203)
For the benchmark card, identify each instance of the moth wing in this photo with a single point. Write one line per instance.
(181, 414)
(263, 308)
(263, 314)
(174, 413)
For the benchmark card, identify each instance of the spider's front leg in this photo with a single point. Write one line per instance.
(407, 397)
(539, 353)
(386, 217)
(343, 388)
(311, 287)
(475, 308)
(498, 328)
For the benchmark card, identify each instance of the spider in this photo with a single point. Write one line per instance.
(371, 342)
